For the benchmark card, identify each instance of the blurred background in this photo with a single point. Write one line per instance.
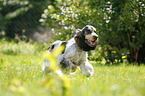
(120, 25)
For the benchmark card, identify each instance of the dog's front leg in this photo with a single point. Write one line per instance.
(87, 68)
(67, 65)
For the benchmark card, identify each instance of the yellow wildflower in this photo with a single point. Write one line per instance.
(100, 48)
(123, 57)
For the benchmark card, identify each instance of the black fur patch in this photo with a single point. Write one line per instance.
(52, 47)
(64, 44)
(66, 65)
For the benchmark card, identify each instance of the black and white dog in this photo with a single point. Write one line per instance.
(75, 52)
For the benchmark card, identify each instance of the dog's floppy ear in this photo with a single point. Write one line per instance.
(78, 37)
(78, 33)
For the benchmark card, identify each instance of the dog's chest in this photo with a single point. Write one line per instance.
(76, 55)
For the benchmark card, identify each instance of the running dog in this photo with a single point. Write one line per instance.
(75, 51)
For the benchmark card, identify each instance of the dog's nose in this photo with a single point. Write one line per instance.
(95, 37)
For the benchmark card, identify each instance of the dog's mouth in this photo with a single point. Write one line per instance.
(90, 43)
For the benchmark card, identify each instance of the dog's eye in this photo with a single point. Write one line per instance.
(89, 31)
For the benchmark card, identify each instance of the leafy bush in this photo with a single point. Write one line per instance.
(120, 25)
(19, 15)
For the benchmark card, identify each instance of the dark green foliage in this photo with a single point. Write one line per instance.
(20, 16)
(120, 25)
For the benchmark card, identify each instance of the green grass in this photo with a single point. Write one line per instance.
(21, 75)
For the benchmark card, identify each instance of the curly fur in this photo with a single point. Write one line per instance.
(75, 52)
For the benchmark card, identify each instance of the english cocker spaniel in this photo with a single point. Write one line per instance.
(75, 52)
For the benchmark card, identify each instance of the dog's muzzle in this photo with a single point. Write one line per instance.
(90, 43)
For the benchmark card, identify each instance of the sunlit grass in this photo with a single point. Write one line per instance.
(19, 48)
(21, 75)
(115, 80)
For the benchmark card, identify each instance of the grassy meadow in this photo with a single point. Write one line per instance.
(21, 75)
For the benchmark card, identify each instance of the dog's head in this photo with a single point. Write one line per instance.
(86, 38)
